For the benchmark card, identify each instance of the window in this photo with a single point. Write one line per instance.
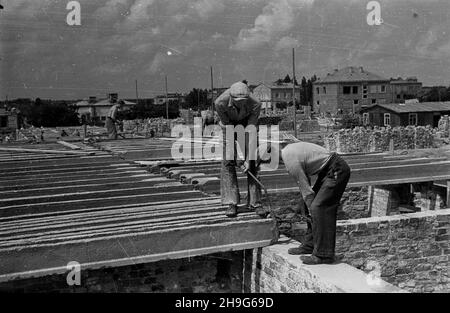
(412, 119)
(364, 91)
(383, 88)
(374, 101)
(324, 89)
(365, 119)
(287, 95)
(346, 90)
(355, 90)
(318, 102)
(103, 118)
(318, 90)
(3, 121)
(277, 94)
(398, 96)
(355, 102)
(387, 119)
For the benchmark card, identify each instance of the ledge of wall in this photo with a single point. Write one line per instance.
(272, 269)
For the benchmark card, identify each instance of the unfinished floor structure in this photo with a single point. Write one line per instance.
(120, 203)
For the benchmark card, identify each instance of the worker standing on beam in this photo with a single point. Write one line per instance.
(111, 120)
(235, 106)
(303, 160)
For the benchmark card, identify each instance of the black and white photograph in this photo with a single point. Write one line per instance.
(219, 153)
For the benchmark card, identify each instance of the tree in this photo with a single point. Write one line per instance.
(197, 99)
(287, 79)
(49, 113)
(436, 93)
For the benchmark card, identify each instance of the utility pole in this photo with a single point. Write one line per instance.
(212, 91)
(198, 100)
(293, 92)
(137, 97)
(167, 102)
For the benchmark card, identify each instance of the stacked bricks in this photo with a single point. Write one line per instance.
(268, 271)
(428, 196)
(410, 250)
(385, 200)
(286, 205)
(220, 272)
(444, 126)
(363, 140)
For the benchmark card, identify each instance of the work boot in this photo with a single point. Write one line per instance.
(315, 260)
(231, 211)
(300, 250)
(259, 210)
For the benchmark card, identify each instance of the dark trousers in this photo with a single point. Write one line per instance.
(329, 187)
(229, 188)
(111, 128)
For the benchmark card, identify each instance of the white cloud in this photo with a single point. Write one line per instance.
(278, 16)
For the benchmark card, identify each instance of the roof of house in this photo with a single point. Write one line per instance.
(409, 80)
(103, 102)
(413, 107)
(283, 86)
(350, 74)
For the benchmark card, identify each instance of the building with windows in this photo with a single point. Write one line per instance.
(404, 89)
(400, 114)
(97, 110)
(283, 93)
(263, 93)
(348, 90)
(172, 96)
(8, 122)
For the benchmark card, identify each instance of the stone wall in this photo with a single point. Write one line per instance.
(411, 250)
(271, 269)
(221, 272)
(354, 204)
(362, 140)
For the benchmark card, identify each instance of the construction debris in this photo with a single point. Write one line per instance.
(69, 145)
(363, 140)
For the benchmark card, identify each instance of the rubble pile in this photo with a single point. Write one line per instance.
(150, 126)
(363, 140)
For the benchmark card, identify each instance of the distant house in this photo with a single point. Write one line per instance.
(263, 93)
(348, 90)
(404, 89)
(398, 114)
(283, 92)
(8, 122)
(97, 110)
(173, 96)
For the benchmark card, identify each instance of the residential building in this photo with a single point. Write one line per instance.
(263, 93)
(404, 89)
(97, 110)
(400, 114)
(8, 122)
(283, 92)
(348, 90)
(171, 96)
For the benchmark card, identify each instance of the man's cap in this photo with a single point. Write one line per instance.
(239, 91)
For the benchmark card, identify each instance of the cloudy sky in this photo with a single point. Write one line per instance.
(120, 41)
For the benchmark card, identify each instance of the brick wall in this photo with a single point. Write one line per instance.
(272, 269)
(412, 250)
(220, 272)
(354, 204)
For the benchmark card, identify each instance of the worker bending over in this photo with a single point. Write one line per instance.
(111, 120)
(236, 106)
(304, 160)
